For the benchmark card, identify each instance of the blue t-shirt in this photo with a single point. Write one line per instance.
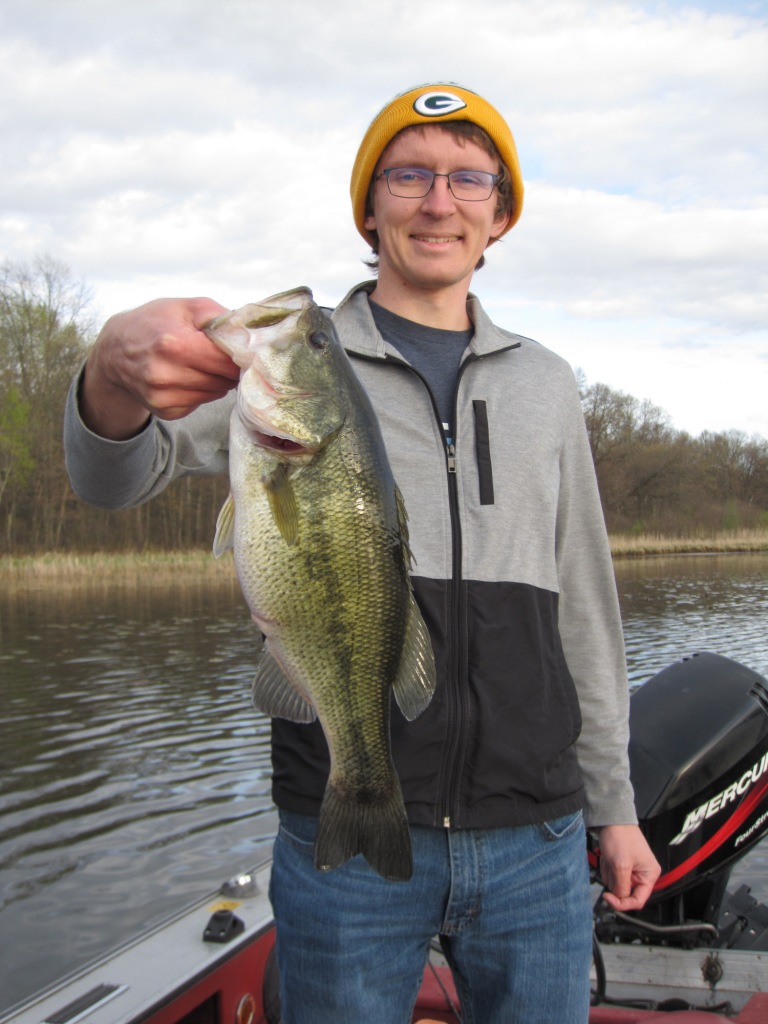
(434, 353)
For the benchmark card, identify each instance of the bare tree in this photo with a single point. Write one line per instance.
(44, 332)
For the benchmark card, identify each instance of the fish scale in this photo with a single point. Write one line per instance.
(319, 532)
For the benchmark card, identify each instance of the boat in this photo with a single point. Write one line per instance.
(214, 963)
(696, 952)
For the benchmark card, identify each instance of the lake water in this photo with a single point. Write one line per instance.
(134, 775)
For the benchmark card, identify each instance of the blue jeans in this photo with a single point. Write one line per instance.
(512, 906)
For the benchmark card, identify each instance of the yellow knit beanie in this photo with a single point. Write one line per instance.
(431, 104)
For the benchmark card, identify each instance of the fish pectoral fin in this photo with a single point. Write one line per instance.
(225, 528)
(416, 676)
(275, 695)
(282, 502)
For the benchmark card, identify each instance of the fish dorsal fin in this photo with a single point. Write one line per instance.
(402, 518)
(225, 528)
(416, 676)
(275, 695)
(282, 502)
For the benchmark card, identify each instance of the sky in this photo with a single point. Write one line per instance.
(191, 147)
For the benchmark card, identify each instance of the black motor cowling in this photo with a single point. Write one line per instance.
(699, 765)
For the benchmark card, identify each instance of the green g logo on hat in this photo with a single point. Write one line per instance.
(436, 104)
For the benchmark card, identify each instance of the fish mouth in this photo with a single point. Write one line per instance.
(260, 381)
(266, 435)
(263, 434)
(275, 443)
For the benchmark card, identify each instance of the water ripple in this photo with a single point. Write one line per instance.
(136, 774)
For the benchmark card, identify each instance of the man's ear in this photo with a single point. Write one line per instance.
(500, 221)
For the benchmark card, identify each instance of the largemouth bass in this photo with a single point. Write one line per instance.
(320, 538)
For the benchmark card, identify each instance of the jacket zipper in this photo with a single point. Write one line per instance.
(458, 677)
(448, 801)
(458, 722)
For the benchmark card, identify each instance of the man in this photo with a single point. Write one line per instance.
(526, 736)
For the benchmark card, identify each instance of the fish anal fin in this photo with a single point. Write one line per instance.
(275, 695)
(225, 528)
(416, 677)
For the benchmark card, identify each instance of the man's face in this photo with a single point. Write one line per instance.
(435, 242)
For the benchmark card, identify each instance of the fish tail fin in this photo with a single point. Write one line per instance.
(376, 827)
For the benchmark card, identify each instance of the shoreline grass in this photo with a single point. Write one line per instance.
(199, 565)
(725, 542)
(124, 567)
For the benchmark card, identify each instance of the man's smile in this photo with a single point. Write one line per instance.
(423, 237)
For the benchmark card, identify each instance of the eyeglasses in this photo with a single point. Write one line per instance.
(416, 183)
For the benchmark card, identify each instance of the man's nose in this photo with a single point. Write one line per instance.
(440, 196)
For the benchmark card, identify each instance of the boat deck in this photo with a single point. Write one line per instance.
(438, 998)
(177, 974)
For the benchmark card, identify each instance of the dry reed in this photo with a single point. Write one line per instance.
(200, 565)
(725, 542)
(120, 567)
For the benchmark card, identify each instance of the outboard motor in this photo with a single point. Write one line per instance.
(699, 765)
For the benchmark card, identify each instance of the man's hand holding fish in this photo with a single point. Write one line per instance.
(154, 359)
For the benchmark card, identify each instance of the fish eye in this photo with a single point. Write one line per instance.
(319, 340)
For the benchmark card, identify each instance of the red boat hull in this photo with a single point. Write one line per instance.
(238, 992)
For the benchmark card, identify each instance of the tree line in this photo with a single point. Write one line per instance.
(652, 477)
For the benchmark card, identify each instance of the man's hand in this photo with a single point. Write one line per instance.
(628, 867)
(153, 360)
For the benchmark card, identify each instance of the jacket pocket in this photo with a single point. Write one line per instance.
(483, 451)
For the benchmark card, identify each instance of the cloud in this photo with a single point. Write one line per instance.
(180, 146)
(601, 254)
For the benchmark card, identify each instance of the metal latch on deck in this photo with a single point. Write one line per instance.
(223, 926)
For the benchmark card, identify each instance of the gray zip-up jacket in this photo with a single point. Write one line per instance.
(512, 571)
